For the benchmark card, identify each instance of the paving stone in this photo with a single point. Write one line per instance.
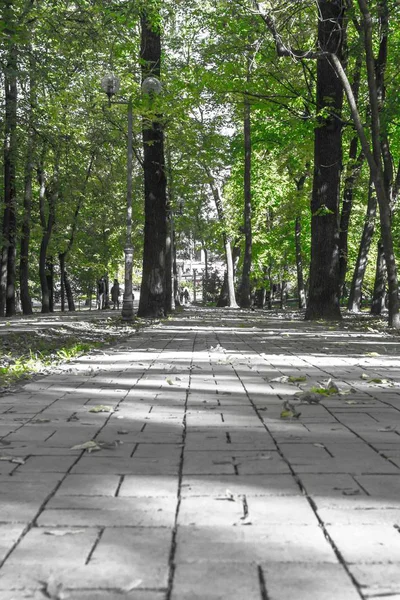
(216, 581)
(306, 581)
(124, 500)
(94, 511)
(38, 556)
(369, 543)
(331, 485)
(89, 485)
(99, 595)
(385, 487)
(9, 535)
(55, 464)
(149, 486)
(272, 509)
(378, 580)
(124, 466)
(250, 543)
(251, 485)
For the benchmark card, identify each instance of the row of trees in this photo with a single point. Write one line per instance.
(274, 143)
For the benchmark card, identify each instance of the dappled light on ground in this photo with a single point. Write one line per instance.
(168, 466)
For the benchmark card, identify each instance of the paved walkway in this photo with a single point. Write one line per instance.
(193, 486)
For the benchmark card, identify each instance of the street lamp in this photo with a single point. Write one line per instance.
(110, 85)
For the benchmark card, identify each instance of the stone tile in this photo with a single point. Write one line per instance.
(251, 485)
(331, 485)
(94, 463)
(261, 543)
(371, 543)
(9, 535)
(38, 556)
(85, 511)
(308, 581)
(149, 486)
(273, 509)
(216, 580)
(89, 485)
(378, 580)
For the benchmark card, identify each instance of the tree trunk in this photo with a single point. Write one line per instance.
(46, 264)
(245, 287)
(283, 298)
(378, 298)
(7, 267)
(353, 173)
(206, 275)
(323, 301)
(299, 264)
(26, 302)
(153, 288)
(225, 294)
(61, 258)
(50, 281)
(169, 243)
(354, 303)
(68, 291)
(177, 300)
(230, 275)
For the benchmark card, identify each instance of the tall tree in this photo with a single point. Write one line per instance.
(153, 288)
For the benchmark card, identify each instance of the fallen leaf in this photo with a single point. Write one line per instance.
(101, 408)
(282, 379)
(289, 414)
(90, 446)
(319, 445)
(123, 432)
(351, 402)
(169, 381)
(62, 532)
(372, 354)
(37, 421)
(130, 586)
(388, 428)
(228, 496)
(364, 376)
(13, 459)
(354, 492)
(294, 379)
(244, 521)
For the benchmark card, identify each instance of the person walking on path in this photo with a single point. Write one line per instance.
(115, 294)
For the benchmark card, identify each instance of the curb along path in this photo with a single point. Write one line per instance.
(161, 469)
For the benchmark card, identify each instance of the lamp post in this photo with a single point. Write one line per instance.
(111, 84)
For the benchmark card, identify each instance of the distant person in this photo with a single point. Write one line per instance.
(115, 294)
(101, 293)
(186, 295)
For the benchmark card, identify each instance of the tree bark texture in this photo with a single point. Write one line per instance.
(354, 302)
(226, 291)
(8, 252)
(378, 298)
(323, 301)
(47, 223)
(353, 173)
(230, 273)
(301, 290)
(26, 302)
(153, 288)
(245, 287)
